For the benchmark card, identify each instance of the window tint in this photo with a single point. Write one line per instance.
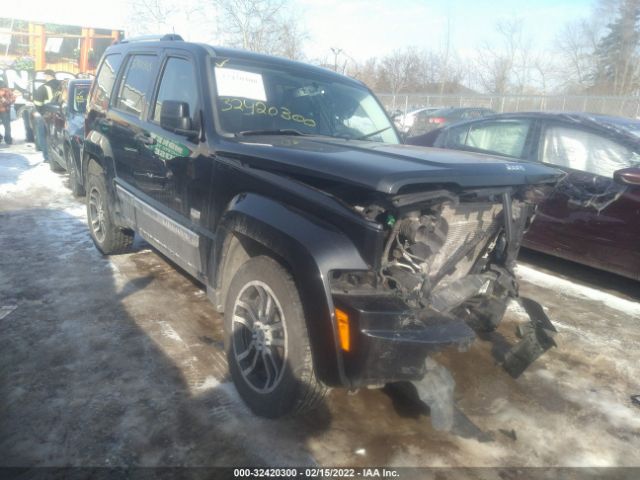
(135, 84)
(105, 80)
(178, 83)
(585, 151)
(504, 138)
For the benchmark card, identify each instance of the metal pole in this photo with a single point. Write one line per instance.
(6, 51)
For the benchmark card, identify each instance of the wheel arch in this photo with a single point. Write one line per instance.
(309, 248)
(98, 148)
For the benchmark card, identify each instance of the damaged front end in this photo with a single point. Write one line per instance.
(446, 272)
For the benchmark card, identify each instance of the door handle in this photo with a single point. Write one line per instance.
(145, 139)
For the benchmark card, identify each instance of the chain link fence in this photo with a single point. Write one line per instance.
(621, 106)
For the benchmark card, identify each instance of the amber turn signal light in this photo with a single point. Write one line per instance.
(343, 329)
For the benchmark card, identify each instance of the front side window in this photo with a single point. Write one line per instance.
(586, 151)
(178, 84)
(503, 138)
(133, 92)
(105, 80)
(253, 97)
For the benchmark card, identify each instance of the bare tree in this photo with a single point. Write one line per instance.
(159, 16)
(507, 65)
(400, 69)
(260, 26)
(575, 44)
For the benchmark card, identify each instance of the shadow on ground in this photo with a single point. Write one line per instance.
(83, 382)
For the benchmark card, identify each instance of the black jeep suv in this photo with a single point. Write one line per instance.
(338, 256)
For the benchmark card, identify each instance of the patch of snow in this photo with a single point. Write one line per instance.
(567, 287)
(209, 383)
(169, 332)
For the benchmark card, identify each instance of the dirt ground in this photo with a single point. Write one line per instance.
(118, 361)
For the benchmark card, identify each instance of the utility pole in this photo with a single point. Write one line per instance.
(336, 51)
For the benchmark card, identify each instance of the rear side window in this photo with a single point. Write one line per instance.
(105, 80)
(504, 138)
(134, 87)
(179, 84)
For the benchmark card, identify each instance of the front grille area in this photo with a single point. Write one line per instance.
(463, 223)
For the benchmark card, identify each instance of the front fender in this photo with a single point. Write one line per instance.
(311, 248)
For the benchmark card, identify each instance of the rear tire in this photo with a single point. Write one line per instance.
(74, 179)
(267, 343)
(106, 234)
(53, 164)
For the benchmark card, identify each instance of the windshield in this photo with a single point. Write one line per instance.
(255, 97)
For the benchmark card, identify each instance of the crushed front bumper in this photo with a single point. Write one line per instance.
(390, 342)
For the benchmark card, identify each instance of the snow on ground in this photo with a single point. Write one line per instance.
(573, 289)
(129, 367)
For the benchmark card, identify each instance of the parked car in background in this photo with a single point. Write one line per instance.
(65, 130)
(405, 122)
(445, 116)
(594, 215)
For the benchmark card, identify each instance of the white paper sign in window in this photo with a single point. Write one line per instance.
(238, 83)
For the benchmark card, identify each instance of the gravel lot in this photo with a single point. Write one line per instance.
(118, 361)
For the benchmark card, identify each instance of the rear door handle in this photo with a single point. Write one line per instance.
(145, 139)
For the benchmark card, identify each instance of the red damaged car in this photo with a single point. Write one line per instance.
(594, 215)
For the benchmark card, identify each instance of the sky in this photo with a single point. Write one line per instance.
(361, 28)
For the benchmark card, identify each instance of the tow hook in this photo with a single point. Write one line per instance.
(536, 338)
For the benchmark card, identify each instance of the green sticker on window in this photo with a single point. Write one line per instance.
(168, 149)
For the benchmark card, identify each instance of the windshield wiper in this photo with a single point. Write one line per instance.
(364, 137)
(282, 131)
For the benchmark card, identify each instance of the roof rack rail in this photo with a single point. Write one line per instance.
(168, 37)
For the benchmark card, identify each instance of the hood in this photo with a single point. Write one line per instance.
(385, 168)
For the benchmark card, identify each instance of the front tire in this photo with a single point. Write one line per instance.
(106, 234)
(267, 343)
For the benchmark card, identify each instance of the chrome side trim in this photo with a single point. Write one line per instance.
(189, 236)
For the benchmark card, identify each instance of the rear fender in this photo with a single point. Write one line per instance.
(310, 249)
(97, 147)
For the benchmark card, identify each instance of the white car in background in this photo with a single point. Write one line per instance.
(405, 122)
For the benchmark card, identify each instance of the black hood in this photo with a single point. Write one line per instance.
(383, 167)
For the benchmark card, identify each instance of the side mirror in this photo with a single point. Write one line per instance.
(174, 117)
(627, 176)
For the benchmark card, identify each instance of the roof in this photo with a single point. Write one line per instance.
(226, 52)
